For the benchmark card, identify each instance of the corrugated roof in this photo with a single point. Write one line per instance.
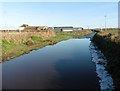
(64, 27)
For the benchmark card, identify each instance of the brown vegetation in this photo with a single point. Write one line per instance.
(16, 35)
(15, 43)
(14, 39)
(109, 43)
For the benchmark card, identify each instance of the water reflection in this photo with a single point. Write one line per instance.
(65, 65)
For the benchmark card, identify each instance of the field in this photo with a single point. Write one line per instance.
(15, 44)
(109, 43)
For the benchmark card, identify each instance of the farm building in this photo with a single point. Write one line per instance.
(50, 28)
(67, 28)
(22, 27)
(77, 28)
(26, 27)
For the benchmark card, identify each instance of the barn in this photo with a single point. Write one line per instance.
(26, 27)
(67, 28)
(64, 28)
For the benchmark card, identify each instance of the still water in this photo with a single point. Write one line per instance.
(65, 65)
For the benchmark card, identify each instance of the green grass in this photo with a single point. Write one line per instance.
(12, 49)
(7, 44)
(36, 38)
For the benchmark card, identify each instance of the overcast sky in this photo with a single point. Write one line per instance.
(77, 14)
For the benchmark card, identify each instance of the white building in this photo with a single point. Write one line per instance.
(65, 28)
(21, 28)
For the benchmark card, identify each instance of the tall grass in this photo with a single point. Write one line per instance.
(14, 47)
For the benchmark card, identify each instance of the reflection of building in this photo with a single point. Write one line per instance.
(67, 28)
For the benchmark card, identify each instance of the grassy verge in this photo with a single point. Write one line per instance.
(109, 43)
(13, 48)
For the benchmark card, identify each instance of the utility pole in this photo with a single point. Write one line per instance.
(105, 22)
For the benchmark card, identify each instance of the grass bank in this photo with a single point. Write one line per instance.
(109, 43)
(14, 48)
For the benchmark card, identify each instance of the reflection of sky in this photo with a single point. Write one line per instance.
(106, 81)
(39, 66)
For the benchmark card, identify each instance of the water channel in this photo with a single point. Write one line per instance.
(65, 65)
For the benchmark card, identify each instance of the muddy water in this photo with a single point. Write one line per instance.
(66, 65)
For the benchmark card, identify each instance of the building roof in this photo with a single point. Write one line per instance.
(24, 25)
(64, 27)
(35, 28)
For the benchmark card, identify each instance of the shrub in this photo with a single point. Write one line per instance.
(29, 42)
(35, 38)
